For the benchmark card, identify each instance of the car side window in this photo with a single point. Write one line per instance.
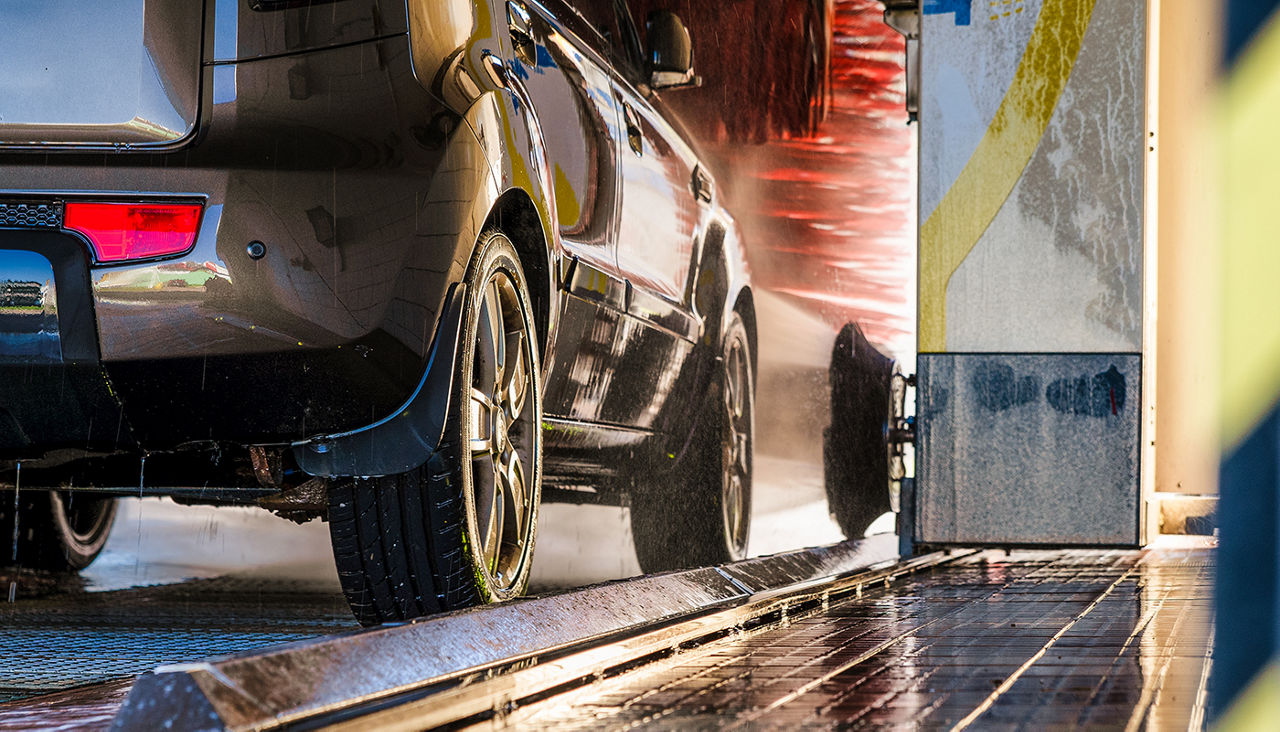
(593, 30)
(633, 31)
(595, 22)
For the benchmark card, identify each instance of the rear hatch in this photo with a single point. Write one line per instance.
(106, 73)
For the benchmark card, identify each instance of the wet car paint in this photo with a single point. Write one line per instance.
(346, 169)
(339, 310)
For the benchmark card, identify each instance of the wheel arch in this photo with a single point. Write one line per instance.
(745, 306)
(517, 216)
(524, 209)
(721, 285)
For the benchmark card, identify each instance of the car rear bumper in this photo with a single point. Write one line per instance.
(56, 393)
(367, 195)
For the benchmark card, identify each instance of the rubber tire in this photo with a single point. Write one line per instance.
(678, 523)
(402, 543)
(46, 539)
(855, 448)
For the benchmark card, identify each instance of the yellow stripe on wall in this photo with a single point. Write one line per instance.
(965, 212)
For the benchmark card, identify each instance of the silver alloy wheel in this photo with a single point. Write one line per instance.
(459, 530)
(502, 431)
(736, 446)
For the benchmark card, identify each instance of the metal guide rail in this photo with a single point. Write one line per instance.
(464, 665)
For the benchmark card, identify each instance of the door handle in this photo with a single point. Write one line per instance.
(701, 185)
(635, 135)
(497, 70)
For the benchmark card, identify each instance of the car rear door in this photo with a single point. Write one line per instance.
(659, 215)
(623, 335)
(562, 64)
(564, 60)
(659, 225)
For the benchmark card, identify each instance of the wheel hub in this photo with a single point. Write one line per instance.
(500, 437)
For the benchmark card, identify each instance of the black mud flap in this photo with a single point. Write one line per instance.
(406, 439)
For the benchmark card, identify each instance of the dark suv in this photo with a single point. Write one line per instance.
(411, 267)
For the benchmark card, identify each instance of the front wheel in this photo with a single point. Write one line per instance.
(703, 516)
(55, 531)
(460, 530)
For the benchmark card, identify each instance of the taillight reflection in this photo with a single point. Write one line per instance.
(121, 232)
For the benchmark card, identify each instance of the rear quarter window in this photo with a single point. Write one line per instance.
(594, 23)
(246, 29)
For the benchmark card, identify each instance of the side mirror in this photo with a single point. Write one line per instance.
(670, 51)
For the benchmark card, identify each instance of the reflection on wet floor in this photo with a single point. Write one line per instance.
(1034, 639)
(175, 583)
(156, 541)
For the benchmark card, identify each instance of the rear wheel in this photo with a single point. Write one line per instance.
(703, 516)
(55, 531)
(459, 530)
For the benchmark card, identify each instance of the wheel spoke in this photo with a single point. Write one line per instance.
(742, 451)
(493, 537)
(733, 509)
(731, 391)
(512, 471)
(485, 492)
(739, 377)
(481, 422)
(493, 301)
(490, 340)
(732, 501)
(517, 375)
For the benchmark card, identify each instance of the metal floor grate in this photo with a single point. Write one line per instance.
(66, 638)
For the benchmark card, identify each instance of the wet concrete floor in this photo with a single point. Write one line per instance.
(1027, 639)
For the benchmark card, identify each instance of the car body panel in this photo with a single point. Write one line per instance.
(660, 219)
(367, 167)
(362, 236)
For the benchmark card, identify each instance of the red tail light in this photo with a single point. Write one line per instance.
(123, 231)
